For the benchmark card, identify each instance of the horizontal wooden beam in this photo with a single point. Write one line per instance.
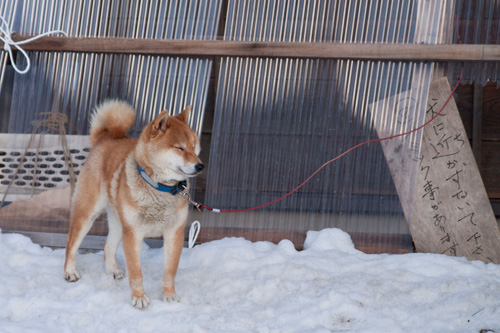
(209, 48)
(368, 243)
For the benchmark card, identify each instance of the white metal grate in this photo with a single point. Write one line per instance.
(42, 166)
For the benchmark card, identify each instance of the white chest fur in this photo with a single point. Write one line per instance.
(156, 211)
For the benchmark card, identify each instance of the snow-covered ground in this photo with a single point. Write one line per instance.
(233, 285)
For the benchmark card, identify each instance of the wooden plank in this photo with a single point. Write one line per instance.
(27, 224)
(368, 243)
(297, 237)
(477, 121)
(90, 242)
(490, 131)
(490, 127)
(207, 48)
(490, 172)
(452, 213)
(464, 98)
(491, 116)
(398, 114)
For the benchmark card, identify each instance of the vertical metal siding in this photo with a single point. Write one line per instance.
(477, 22)
(277, 120)
(74, 83)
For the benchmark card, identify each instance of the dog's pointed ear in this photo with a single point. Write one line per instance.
(160, 124)
(183, 116)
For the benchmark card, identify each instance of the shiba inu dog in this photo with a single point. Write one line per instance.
(137, 182)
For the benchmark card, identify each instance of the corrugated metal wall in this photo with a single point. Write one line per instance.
(73, 83)
(277, 120)
(476, 23)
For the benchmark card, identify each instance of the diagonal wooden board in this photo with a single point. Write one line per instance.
(452, 212)
(440, 188)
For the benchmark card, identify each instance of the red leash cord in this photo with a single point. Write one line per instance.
(336, 158)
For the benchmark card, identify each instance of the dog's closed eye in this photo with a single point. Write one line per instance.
(179, 148)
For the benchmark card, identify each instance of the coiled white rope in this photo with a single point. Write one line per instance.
(194, 230)
(8, 43)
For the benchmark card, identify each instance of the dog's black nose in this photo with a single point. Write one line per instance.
(199, 167)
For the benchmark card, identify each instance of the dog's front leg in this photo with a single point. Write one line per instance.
(172, 244)
(132, 244)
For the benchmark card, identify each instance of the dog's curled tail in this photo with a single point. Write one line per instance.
(113, 118)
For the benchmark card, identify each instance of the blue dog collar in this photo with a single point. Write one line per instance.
(181, 186)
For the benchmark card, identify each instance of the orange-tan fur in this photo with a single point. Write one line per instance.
(167, 150)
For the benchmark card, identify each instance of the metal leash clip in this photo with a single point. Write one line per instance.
(186, 195)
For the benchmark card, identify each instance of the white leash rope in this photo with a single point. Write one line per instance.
(194, 230)
(8, 43)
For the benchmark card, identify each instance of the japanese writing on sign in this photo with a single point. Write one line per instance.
(452, 213)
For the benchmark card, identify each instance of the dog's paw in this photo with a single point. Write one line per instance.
(114, 270)
(118, 274)
(171, 298)
(140, 302)
(72, 276)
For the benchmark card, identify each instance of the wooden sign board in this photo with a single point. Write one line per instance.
(438, 182)
(452, 212)
(394, 115)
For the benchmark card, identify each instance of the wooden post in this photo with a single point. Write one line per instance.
(477, 120)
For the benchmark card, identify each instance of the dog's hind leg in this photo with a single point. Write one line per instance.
(112, 242)
(87, 204)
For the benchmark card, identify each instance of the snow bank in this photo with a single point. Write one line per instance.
(233, 285)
